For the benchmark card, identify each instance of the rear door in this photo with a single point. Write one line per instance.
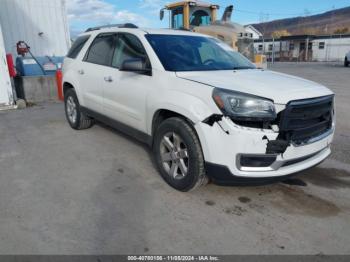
(125, 93)
(92, 69)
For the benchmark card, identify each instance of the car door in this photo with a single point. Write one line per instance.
(92, 70)
(125, 93)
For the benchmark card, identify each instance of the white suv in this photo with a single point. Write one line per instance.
(206, 111)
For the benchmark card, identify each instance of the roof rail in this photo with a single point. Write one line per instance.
(126, 25)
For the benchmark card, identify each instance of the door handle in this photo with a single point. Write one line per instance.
(81, 72)
(108, 79)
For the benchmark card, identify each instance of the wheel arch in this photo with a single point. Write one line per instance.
(66, 86)
(162, 114)
(175, 103)
(70, 85)
(186, 106)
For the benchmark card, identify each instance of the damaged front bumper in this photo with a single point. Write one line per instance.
(240, 155)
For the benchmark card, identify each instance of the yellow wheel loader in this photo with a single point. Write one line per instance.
(201, 17)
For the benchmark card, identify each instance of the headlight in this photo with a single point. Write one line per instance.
(240, 106)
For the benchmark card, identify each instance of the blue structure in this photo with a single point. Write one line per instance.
(28, 66)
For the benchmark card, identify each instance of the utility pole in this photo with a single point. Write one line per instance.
(273, 50)
(307, 49)
(329, 49)
(263, 18)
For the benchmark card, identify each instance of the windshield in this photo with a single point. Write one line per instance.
(200, 17)
(196, 53)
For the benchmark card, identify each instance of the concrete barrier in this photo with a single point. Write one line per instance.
(36, 89)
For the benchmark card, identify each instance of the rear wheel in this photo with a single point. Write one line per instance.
(346, 62)
(179, 155)
(75, 117)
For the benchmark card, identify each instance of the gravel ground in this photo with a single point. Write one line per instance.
(97, 192)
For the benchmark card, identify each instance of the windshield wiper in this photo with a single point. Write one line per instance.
(242, 67)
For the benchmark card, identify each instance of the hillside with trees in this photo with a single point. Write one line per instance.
(331, 22)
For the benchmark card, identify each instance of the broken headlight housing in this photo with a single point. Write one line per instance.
(244, 107)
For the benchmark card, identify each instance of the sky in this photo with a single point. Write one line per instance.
(145, 13)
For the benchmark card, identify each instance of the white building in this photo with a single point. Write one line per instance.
(42, 24)
(331, 49)
(325, 48)
(6, 97)
(255, 32)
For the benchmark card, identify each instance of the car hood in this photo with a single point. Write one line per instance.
(281, 88)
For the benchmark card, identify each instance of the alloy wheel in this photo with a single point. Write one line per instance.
(174, 155)
(71, 107)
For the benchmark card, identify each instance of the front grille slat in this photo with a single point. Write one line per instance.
(305, 119)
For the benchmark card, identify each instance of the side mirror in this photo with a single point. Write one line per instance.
(161, 14)
(136, 65)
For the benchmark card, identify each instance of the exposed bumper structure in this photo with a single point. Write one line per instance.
(225, 145)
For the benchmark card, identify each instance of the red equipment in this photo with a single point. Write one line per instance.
(10, 65)
(22, 48)
(59, 85)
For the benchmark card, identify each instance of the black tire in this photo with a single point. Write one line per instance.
(81, 121)
(195, 176)
(346, 62)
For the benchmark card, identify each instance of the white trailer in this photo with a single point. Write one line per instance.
(6, 96)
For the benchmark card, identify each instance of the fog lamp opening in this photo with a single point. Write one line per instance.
(257, 160)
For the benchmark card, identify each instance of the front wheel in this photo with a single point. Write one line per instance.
(75, 117)
(346, 62)
(178, 155)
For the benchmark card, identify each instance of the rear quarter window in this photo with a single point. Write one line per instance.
(77, 46)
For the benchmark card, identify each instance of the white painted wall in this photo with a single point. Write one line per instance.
(265, 46)
(335, 49)
(6, 97)
(254, 31)
(25, 19)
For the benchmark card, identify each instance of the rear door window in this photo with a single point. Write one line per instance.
(101, 50)
(77, 46)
